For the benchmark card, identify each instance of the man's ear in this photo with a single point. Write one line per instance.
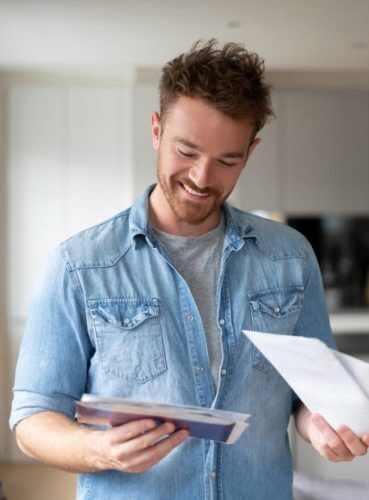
(252, 146)
(155, 130)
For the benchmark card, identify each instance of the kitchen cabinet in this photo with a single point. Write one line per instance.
(260, 184)
(146, 100)
(69, 166)
(326, 152)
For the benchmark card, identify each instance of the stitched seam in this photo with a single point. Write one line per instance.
(76, 286)
(100, 266)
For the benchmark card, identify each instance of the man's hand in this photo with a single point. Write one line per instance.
(135, 446)
(342, 445)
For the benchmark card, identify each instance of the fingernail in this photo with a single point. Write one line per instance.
(151, 424)
(183, 434)
(169, 427)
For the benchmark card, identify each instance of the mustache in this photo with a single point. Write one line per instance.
(192, 186)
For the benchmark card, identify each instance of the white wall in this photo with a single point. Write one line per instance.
(4, 383)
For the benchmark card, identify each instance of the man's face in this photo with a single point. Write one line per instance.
(200, 155)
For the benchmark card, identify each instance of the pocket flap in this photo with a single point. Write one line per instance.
(277, 302)
(124, 313)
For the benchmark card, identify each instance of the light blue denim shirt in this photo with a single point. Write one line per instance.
(112, 316)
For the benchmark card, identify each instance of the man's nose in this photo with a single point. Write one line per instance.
(201, 174)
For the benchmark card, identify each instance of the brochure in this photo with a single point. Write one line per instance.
(205, 423)
(327, 381)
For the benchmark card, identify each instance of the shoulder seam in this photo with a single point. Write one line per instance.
(74, 281)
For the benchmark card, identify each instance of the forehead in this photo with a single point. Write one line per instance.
(198, 121)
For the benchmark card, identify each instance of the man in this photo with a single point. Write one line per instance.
(151, 304)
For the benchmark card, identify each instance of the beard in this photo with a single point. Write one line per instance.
(186, 210)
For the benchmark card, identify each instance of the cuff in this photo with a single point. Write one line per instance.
(27, 403)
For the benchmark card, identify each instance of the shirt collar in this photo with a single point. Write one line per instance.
(238, 226)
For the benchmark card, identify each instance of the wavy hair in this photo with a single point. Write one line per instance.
(229, 78)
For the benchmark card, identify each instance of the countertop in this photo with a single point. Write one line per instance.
(350, 321)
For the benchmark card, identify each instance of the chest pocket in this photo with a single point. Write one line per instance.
(274, 311)
(129, 340)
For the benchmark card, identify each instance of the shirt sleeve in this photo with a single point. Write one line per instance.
(314, 319)
(55, 350)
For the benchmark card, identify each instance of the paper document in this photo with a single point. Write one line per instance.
(206, 423)
(327, 382)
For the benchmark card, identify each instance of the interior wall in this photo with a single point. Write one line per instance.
(4, 382)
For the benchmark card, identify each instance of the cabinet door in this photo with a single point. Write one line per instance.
(259, 184)
(98, 180)
(35, 186)
(326, 152)
(146, 100)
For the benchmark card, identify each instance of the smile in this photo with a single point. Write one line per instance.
(193, 192)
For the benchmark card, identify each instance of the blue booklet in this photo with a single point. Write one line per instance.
(205, 423)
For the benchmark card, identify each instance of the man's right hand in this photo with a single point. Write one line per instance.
(57, 440)
(135, 446)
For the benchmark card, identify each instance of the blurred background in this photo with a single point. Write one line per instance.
(78, 83)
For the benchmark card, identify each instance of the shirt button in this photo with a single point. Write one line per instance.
(222, 322)
(277, 309)
(224, 371)
(190, 317)
(126, 321)
(199, 368)
(212, 474)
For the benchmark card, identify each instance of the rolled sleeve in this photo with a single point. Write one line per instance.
(55, 350)
(26, 404)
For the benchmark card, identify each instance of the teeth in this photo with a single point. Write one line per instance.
(187, 188)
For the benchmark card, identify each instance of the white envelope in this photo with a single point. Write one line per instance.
(327, 382)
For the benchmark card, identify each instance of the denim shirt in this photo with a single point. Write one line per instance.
(112, 316)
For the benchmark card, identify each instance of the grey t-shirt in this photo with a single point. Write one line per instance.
(197, 259)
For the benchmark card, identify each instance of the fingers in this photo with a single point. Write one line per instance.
(352, 441)
(138, 445)
(339, 446)
(128, 431)
(329, 444)
(365, 439)
(148, 438)
(152, 455)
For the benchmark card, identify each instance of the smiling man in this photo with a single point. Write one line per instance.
(151, 305)
(201, 153)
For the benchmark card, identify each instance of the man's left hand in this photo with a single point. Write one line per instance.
(342, 445)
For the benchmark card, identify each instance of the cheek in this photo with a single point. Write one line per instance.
(228, 179)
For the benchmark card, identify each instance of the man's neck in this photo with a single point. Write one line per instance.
(163, 218)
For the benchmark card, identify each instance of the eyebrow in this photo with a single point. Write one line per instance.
(228, 154)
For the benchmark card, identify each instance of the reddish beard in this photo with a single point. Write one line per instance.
(186, 210)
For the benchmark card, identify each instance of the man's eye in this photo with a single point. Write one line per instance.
(186, 155)
(226, 164)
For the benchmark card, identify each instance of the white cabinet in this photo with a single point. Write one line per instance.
(69, 166)
(99, 163)
(259, 186)
(35, 187)
(146, 100)
(326, 156)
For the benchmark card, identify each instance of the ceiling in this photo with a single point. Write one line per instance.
(288, 34)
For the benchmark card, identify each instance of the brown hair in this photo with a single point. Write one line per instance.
(229, 78)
